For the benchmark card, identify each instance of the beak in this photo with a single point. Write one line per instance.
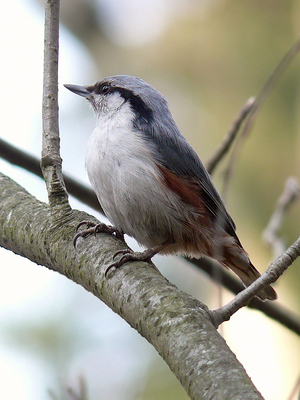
(80, 90)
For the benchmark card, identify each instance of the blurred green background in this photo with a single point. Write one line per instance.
(207, 58)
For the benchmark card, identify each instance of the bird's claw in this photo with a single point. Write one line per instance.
(129, 255)
(93, 228)
(89, 224)
(121, 252)
(84, 233)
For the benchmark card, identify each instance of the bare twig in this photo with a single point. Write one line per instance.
(51, 161)
(269, 276)
(260, 99)
(82, 394)
(225, 278)
(70, 393)
(228, 140)
(295, 390)
(290, 194)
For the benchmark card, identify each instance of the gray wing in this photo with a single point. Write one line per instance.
(174, 153)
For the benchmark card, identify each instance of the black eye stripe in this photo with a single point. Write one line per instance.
(142, 111)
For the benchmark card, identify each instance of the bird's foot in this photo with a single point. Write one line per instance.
(129, 255)
(93, 228)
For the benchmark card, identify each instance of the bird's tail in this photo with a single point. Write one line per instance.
(238, 261)
(249, 275)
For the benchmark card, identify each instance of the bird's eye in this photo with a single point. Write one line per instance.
(105, 89)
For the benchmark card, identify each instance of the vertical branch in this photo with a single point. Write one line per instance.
(51, 162)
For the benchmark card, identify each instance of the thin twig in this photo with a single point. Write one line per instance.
(82, 394)
(273, 310)
(51, 161)
(228, 140)
(290, 194)
(295, 390)
(260, 99)
(269, 276)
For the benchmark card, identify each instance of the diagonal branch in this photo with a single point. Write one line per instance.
(177, 325)
(260, 99)
(290, 194)
(228, 140)
(273, 310)
(274, 271)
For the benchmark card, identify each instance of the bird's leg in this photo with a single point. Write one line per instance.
(129, 255)
(93, 228)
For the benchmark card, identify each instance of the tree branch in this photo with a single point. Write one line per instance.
(269, 276)
(217, 273)
(273, 310)
(51, 162)
(228, 140)
(177, 325)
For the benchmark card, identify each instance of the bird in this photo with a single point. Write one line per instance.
(151, 183)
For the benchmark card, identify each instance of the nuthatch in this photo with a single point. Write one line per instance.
(150, 182)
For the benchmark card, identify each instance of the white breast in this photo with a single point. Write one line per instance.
(120, 172)
(128, 184)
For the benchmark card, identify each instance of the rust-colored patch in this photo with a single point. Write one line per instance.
(187, 190)
(199, 225)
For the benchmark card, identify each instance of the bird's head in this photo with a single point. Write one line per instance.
(113, 93)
